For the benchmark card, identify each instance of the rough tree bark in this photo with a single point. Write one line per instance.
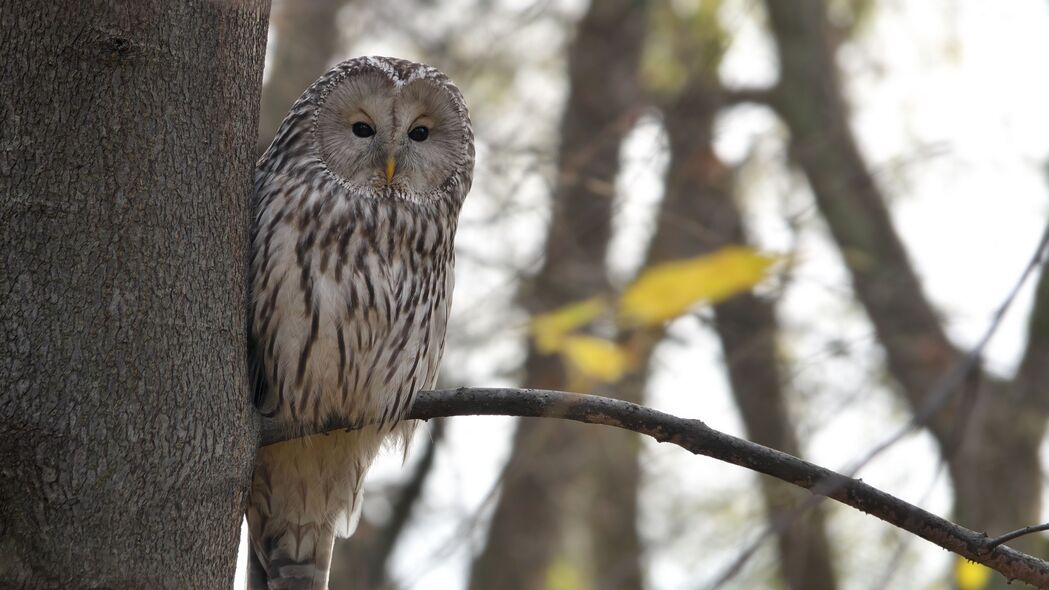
(699, 215)
(992, 451)
(604, 92)
(126, 432)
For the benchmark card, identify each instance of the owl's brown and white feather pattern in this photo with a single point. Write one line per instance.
(351, 288)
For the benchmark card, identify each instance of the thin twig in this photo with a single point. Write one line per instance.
(698, 438)
(1017, 533)
(758, 96)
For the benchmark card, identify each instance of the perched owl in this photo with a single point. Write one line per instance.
(356, 204)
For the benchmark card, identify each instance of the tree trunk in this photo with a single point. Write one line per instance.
(698, 216)
(126, 432)
(546, 460)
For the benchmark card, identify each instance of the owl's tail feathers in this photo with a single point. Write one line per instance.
(298, 559)
(302, 494)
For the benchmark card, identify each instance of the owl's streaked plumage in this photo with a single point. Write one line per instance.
(351, 281)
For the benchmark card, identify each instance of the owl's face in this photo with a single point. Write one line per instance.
(390, 133)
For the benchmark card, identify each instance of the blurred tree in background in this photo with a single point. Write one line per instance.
(566, 510)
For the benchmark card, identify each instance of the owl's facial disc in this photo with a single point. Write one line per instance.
(385, 138)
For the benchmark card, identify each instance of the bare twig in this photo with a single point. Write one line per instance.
(696, 437)
(1027, 530)
(758, 96)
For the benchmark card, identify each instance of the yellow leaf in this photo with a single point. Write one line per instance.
(971, 576)
(668, 290)
(550, 329)
(596, 358)
(563, 575)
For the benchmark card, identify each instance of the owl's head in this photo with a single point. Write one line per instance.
(393, 128)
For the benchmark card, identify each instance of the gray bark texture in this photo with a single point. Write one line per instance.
(126, 154)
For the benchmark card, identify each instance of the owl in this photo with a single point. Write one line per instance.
(355, 211)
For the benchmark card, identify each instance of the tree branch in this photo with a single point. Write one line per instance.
(759, 96)
(1027, 530)
(1033, 373)
(698, 438)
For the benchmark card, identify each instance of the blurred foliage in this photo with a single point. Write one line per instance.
(665, 291)
(590, 358)
(849, 17)
(686, 39)
(662, 292)
(969, 575)
(551, 329)
(564, 574)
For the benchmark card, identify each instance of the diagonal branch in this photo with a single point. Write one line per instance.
(698, 438)
(1034, 368)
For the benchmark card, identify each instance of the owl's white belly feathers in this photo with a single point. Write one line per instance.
(350, 331)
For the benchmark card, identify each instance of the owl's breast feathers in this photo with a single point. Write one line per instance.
(351, 298)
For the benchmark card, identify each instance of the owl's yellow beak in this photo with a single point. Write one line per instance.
(391, 166)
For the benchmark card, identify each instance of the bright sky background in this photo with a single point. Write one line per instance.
(950, 105)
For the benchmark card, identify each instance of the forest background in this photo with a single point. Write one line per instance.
(896, 173)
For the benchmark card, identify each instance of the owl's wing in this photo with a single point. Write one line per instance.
(261, 394)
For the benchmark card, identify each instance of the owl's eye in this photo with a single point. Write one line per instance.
(420, 133)
(363, 130)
